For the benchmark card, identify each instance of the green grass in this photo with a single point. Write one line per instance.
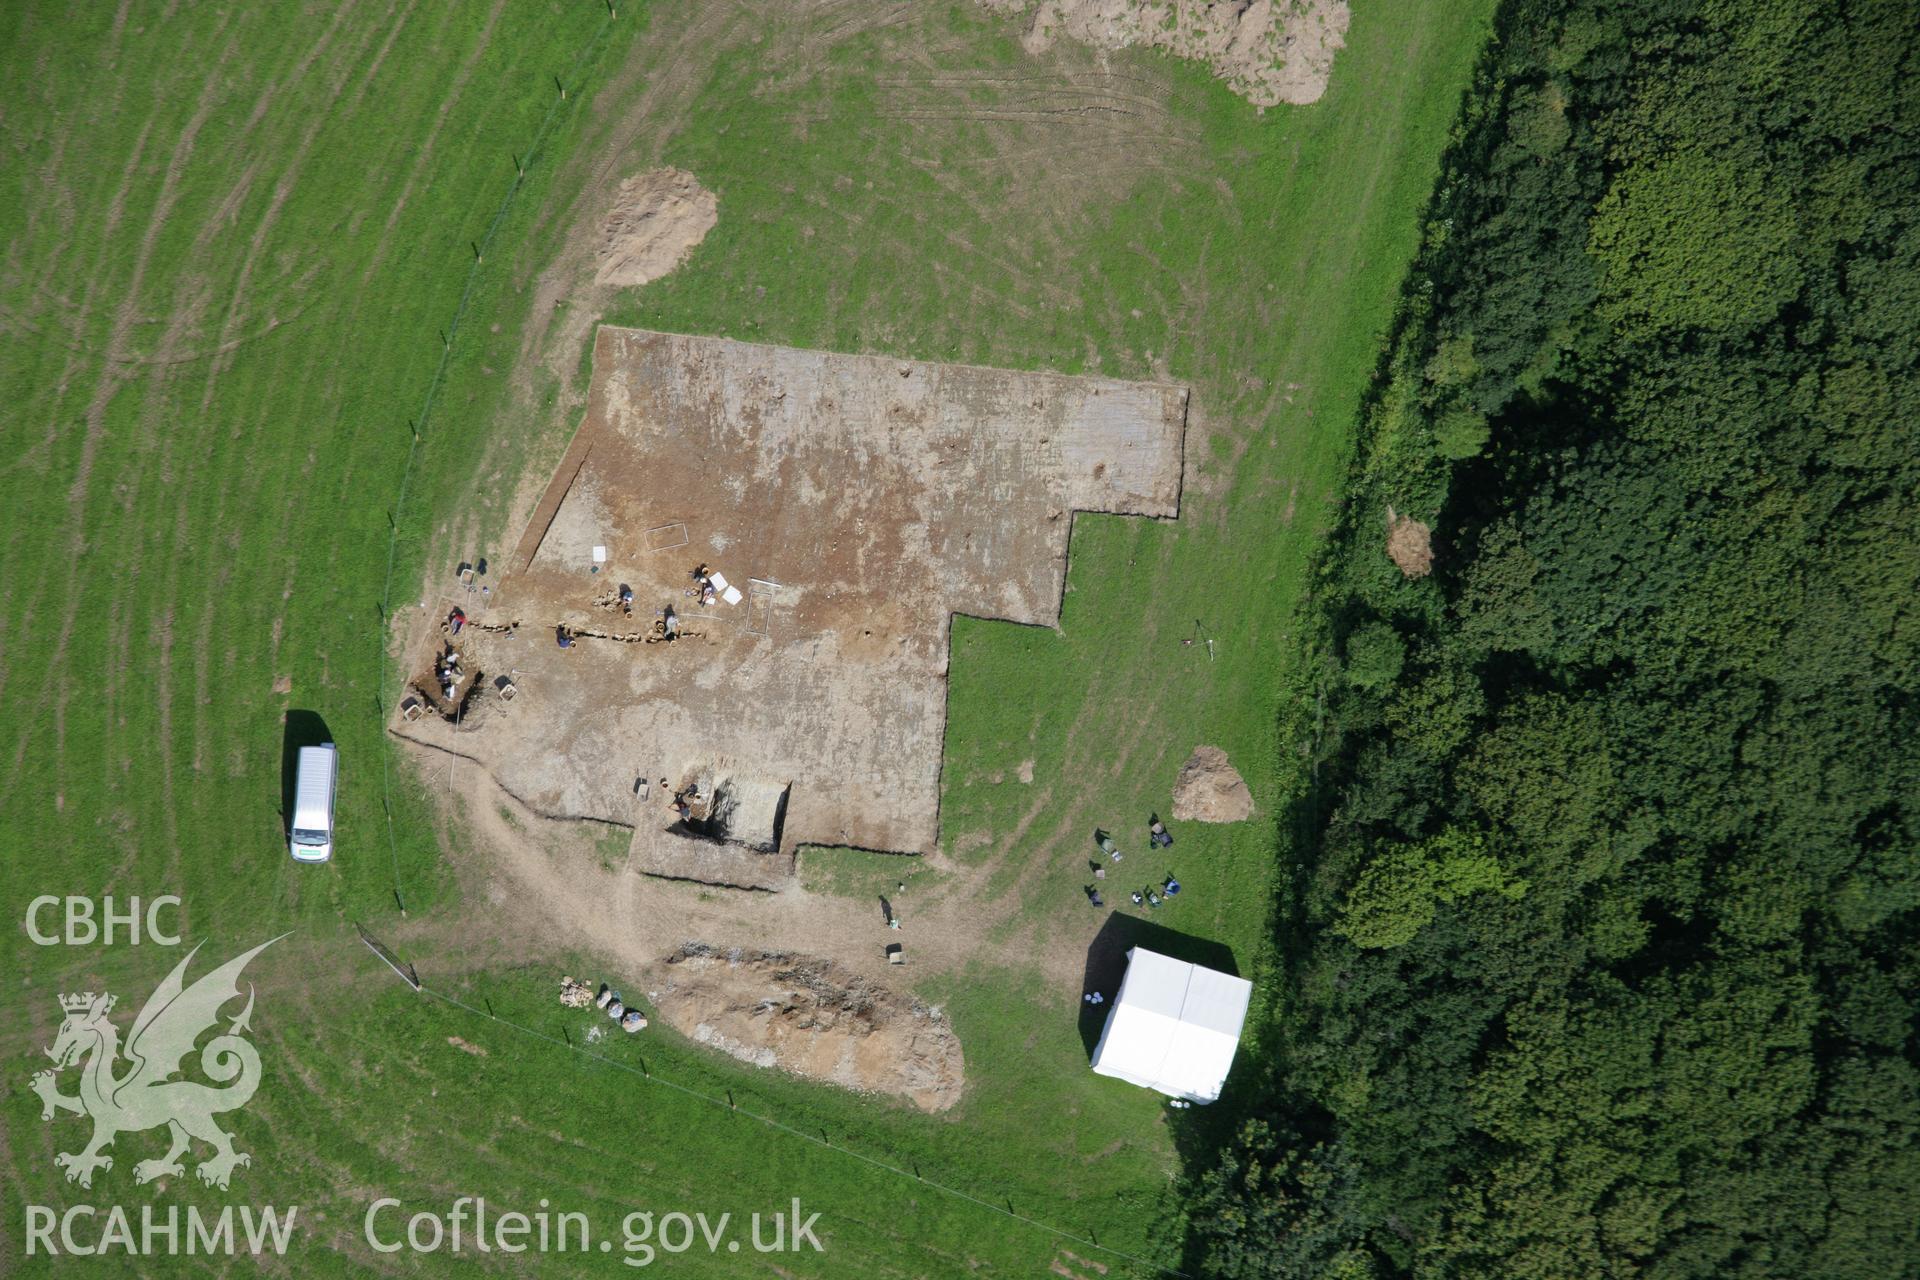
(182, 533)
(862, 873)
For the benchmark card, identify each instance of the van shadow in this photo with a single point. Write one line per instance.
(301, 729)
(1107, 963)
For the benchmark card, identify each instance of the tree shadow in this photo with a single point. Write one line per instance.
(300, 729)
(1107, 963)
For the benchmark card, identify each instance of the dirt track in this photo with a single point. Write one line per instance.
(1100, 127)
(538, 878)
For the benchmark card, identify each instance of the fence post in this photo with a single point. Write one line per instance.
(413, 427)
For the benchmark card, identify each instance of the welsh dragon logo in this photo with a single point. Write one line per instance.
(147, 1093)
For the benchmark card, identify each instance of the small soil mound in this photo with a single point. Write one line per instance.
(1409, 545)
(657, 219)
(1267, 51)
(809, 1017)
(1209, 789)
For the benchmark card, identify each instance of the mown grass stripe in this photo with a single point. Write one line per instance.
(818, 1140)
(421, 425)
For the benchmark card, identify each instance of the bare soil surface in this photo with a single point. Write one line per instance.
(1268, 51)
(537, 880)
(1210, 789)
(850, 506)
(810, 1017)
(1409, 545)
(1101, 128)
(658, 218)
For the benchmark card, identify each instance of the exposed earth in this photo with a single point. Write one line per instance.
(812, 1018)
(1409, 545)
(540, 879)
(1106, 121)
(850, 506)
(658, 218)
(1210, 789)
(1267, 52)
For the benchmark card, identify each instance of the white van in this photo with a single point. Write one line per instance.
(313, 804)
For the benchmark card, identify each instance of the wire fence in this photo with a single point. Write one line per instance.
(405, 972)
(1004, 1209)
(420, 426)
(418, 431)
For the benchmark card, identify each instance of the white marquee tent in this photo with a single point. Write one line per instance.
(1174, 1027)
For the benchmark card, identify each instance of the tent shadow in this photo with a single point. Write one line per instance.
(1107, 963)
(301, 729)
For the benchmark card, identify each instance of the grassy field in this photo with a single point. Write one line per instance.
(235, 244)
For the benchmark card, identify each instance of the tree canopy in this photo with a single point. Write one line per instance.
(1608, 928)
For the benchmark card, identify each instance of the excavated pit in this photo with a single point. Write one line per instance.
(811, 522)
(812, 1018)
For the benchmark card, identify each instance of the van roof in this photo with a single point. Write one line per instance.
(314, 789)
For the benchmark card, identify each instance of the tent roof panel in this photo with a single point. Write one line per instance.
(1174, 1027)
